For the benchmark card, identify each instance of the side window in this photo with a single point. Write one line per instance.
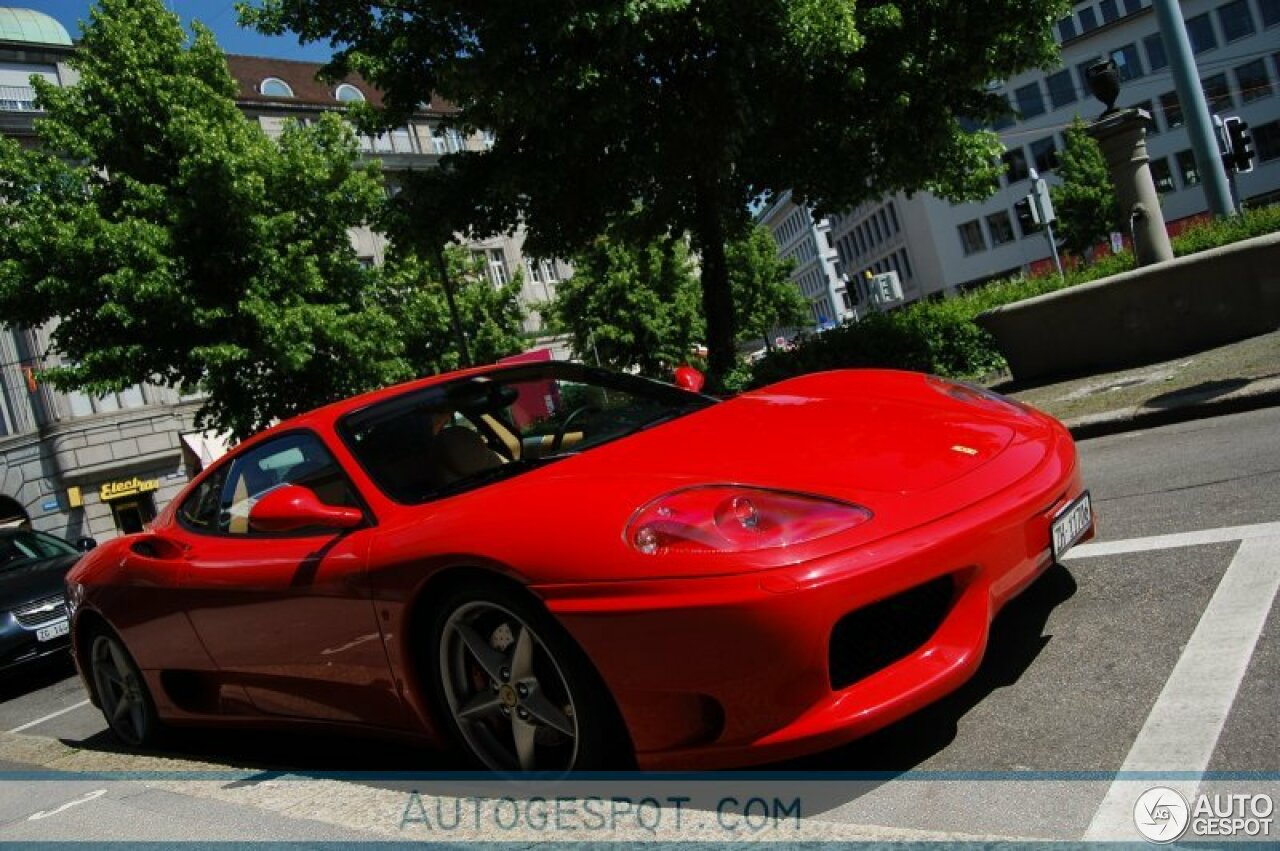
(200, 509)
(295, 459)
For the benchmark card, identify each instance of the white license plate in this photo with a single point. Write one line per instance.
(1070, 525)
(53, 630)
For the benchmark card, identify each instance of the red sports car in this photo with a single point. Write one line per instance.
(555, 567)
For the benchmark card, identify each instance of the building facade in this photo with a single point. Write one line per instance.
(938, 247)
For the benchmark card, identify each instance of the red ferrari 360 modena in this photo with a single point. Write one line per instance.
(557, 568)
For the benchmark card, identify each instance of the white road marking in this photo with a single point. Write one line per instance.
(50, 716)
(1178, 539)
(83, 799)
(1182, 730)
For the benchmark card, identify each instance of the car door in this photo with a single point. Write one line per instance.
(288, 616)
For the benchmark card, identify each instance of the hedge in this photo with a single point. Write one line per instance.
(941, 337)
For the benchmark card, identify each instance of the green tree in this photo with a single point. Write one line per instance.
(177, 244)
(491, 316)
(763, 296)
(1085, 203)
(690, 108)
(630, 306)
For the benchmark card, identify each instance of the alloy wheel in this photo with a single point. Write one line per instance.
(121, 692)
(506, 691)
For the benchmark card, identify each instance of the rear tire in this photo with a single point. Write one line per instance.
(514, 689)
(122, 692)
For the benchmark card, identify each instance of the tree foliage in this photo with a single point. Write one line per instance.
(689, 108)
(630, 305)
(490, 316)
(176, 244)
(1085, 203)
(763, 295)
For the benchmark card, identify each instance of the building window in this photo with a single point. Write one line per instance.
(498, 268)
(1006, 120)
(1067, 27)
(1062, 89)
(1187, 168)
(875, 225)
(1236, 20)
(1161, 175)
(1015, 165)
(1266, 141)
(1001, 228)
(893, 217)
(274, 87)
(347, 93)
(1218, 93)
(1030, 100)
(971, 237)
(1156, 57)
(1132, 7)
(1270, 10)
(1088, 19)
(1253, 81)
(1145, 105)
(1044, 154)
(1172, 110)
(906, 263)
(1200, 31)
(1127, 61)
(1110, 11)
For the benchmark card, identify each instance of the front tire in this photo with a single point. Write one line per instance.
(514, 689)
(122, 692)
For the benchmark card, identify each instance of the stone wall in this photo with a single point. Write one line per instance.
(1148, 315)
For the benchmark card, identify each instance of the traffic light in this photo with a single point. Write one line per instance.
(1028, 215)
(1239, 145)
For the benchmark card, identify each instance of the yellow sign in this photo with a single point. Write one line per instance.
(127, 487)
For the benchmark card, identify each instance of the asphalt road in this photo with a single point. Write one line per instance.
(1139, 653)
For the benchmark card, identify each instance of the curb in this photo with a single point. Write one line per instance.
(1262, 394)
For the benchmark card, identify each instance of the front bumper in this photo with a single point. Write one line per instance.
(726, 671)
(19, 644)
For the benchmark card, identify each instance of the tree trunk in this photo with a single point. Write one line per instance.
(717, 297)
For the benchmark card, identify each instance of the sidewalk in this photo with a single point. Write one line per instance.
(1238, 377)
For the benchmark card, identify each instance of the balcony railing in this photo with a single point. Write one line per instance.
(17, 99)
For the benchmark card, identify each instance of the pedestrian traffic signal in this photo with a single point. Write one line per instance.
(1240, 151)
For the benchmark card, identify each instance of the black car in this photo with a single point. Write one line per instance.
(33, 606)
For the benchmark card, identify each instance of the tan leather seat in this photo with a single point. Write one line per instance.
(458, 452)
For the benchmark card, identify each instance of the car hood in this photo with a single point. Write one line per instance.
(823, 440)
(35, 581)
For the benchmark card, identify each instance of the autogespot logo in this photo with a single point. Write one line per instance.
(1161, 814)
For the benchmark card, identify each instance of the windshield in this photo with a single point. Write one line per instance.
(24, 546)
(462, 434)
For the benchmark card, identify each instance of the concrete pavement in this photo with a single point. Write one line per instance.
(1242, 376)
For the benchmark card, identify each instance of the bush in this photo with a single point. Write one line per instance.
(941, 337)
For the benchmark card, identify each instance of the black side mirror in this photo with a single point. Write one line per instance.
(85, 544)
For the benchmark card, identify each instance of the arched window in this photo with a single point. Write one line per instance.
(348, 93)
(274, 87)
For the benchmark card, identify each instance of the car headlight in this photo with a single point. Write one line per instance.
(737, 519)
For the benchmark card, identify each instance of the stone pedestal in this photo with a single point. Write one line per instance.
(1122, 135)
